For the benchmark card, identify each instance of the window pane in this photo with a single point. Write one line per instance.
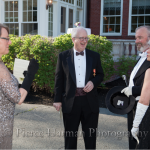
(117, 29)
(6, 6)
(134, 19)
(133, 27)
(70, 18)
(15, 16)
(29, 28)
(134, 9)
(105, 28)
(11, 16)
(77, 16)
(117, 20)
(11, 6)
(63, 19)
(141, 9)
(6, 17)
(147, 10)
(15, 5)
(118, 10)
(112, 11)
(140, 24)
(13, 28)
(147, 19)
(34, 4)
(24, 16)
(34, 15)
(105, 20)
(112, 20)
(30, 16)
(106, 11)
(29, 4)
(50, 23)
(111, 28)
(141, 19)
(24, 5)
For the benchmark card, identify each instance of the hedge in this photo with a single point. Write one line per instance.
(46, 51)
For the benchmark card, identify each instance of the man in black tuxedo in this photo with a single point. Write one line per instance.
(76, 90)
(137, 76)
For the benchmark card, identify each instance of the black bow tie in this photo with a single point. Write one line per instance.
(81, 53)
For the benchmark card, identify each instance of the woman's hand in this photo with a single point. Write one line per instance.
(23, 93)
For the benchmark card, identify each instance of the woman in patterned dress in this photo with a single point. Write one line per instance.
(10, 94)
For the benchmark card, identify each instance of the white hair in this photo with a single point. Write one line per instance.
(76, 30)
(146, 27)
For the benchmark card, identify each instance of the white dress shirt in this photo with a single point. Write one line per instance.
(136, 68)
(80, 69)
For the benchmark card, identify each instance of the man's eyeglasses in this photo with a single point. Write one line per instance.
(82, 38)
(7, 39)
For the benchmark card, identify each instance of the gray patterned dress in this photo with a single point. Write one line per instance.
(9, 96)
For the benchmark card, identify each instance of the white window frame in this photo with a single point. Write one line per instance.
(29, 22)
(3, 17)
(50, 21)
(67, 6)
(129, 22)
(67, 16)
(20, 14)
(101, 21)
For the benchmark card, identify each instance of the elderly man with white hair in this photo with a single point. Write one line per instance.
(78, 73)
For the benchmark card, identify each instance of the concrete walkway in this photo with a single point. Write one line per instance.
(40, 127)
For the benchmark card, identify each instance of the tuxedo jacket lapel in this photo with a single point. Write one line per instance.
(142, 69)
(89, 61)
(70, 61)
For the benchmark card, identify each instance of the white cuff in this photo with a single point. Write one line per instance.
(140, 112)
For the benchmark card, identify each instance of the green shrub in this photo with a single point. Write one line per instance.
(46, 51)
(104, 48)
(124, 65)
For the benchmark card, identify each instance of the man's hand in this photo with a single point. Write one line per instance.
(135, 132)
(89, 86)
(127, 91)
(57, 106)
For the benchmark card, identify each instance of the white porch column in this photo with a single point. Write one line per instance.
(56, 18)
(42, 18)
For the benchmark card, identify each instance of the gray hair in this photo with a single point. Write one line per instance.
(147, 27)
(76, 30)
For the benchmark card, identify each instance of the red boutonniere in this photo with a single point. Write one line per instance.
(94, 71)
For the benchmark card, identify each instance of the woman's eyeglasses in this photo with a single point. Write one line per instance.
(7, 39)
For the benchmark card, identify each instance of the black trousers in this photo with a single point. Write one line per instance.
(81, 112)
(132, 140)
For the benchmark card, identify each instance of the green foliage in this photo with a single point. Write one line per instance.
(46, 51)
(63, 42)
(104, 48)
(124, 65)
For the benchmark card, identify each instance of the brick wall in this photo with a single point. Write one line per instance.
(94, 19)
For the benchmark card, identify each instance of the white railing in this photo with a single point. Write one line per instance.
(123, 47)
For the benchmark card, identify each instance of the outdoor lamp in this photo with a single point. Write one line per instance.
(49, 3)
